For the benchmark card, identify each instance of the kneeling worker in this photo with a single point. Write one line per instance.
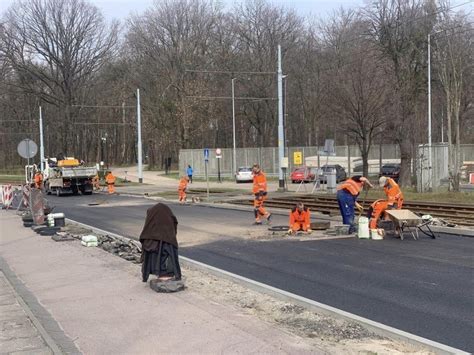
(300, 219)
(394, 200)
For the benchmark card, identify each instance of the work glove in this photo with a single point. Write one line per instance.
(309, 230)
(359, 207)
(290, 231)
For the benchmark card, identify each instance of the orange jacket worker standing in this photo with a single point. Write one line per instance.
(38, 180)
(260, 194)
(110, 180)
(183, 185)
(394, 200)
(300, 219)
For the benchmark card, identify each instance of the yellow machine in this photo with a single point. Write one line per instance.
(68, 162)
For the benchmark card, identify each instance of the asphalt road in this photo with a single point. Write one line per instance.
(424, 287)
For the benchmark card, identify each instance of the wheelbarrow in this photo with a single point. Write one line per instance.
(406, 220)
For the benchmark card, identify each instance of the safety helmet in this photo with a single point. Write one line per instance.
(382, 181)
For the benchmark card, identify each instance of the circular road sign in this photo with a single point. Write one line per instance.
(218, 151)
(27, 148)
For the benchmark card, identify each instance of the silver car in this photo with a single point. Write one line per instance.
(244, 174)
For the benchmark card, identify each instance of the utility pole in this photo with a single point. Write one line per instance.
(41, 139)
(139, 143)
(281, 143)
(234, 153)
(430, 168)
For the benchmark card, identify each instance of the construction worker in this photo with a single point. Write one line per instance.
(38, 180)
(300, 219)
(96, 182)
(260, 194)
(347, 194)
(394, 200)
(183, 185)
(110, 180)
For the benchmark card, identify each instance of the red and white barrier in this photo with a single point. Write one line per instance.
(7, 196)
(471, 178)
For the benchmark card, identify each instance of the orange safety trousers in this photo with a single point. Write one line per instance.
(259, 210)
(182, 195)
(111, 188)
(379, 207)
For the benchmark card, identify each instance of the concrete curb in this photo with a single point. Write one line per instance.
(49, 329)
(375, 327)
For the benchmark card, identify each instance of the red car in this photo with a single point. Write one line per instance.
(302, 174)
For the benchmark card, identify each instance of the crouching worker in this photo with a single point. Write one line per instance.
(394, 200)
(182, 187)
(300, 219)
(159, 244)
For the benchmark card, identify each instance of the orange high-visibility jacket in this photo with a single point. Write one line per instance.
(183, 184)
(259, 183)
(393, 192)
(300, 217)
(38, 178)
(354, 188)
(110, 178)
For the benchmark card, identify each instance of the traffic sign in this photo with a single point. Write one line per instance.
(218, 151)
(27, 148)
(206, 154)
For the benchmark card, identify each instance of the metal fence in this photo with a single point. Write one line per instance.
(268, 159)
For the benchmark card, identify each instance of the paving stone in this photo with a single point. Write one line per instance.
(166, 286)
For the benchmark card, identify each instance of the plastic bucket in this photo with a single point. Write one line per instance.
(363, 231)
(375, 235)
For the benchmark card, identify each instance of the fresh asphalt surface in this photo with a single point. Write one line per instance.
(424, 287)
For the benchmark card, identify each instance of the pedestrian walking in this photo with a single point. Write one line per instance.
(110, 180)
(182, 187)
(189, 173)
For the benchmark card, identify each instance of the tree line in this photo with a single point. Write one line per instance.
(358, 76)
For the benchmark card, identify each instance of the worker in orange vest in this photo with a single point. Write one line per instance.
(300, 219)
(95, 182)
(394, 200)
(347, 194)
(38, 180)
(260, 194)
(183, 185)
(110, 180)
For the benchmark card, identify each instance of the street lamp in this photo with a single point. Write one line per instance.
(234, 157)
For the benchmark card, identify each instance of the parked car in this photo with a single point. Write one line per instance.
(390, 170)
(302, 174)
(340, 173)
(244, 174)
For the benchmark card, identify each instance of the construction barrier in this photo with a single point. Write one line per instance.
(7, 196)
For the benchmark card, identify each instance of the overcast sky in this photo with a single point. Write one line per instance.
(120, 9)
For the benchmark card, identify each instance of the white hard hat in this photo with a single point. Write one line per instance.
(382, 181)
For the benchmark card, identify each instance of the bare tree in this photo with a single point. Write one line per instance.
(56, 47)
(453, 51)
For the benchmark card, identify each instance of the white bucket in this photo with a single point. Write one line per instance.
(363, 232)
(375, 234)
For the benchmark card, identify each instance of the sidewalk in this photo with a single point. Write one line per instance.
(101, 306)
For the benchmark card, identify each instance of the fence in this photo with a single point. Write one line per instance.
(268, 159)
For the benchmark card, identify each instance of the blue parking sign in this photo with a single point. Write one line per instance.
(206, 154)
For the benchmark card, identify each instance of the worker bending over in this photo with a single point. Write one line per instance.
(347, 194)
(110, 180)
(182, 187)
(300, 219)
(38, 180)
(260, 194)
(394, 200)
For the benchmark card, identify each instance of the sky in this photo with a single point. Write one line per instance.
(121, 9)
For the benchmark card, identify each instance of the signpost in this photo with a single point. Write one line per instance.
(27, 149)
(219, 157)
(206, 161)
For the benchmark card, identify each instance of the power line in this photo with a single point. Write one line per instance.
(103, 106)
(230, 98)
(231, 72)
